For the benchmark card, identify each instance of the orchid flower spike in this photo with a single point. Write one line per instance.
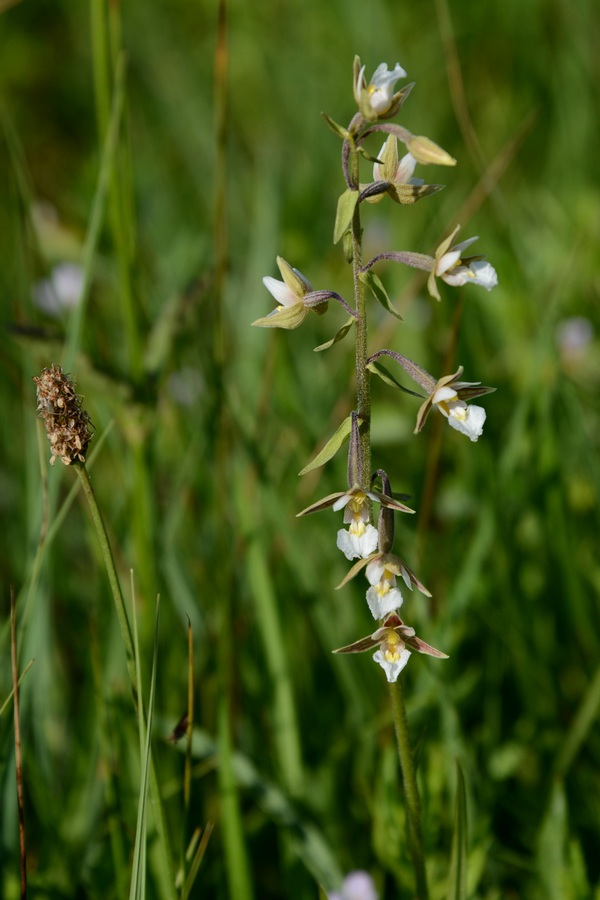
(450, 266)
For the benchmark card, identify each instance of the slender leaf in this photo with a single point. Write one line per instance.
(386, 376)
(552, 865)
(197, 861)
(331, 447)
(580, 726)
(457, 882)
(138, 879)
(336, 128)
(339, 335)
(375, 285)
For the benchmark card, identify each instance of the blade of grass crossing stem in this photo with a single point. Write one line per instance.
(580, 727)
(161, 862)
(285, 725)
(236, 857)
(284, 713)
(551, 862)
(106, 42)
(164, 867)
(75, 325)
(100, 61)
(187, 772)
(18, 759)
(561, 870)
(138, 880)
(197, 861)
(55, 524)
(308, 842)
(138, 871)
(10, 696)
(457, 883)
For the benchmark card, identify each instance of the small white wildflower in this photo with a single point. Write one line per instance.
(392, 663)
(468, 419)
(383, 597)
(377, 98)
(359, 541)
(452, 268)
(381, 86)
(290, 294)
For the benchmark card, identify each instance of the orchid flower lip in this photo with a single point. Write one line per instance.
(379, 92)
(356, 545)
(392, 668)
(381, 603)
(280, 291)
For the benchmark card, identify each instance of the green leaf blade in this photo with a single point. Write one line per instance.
(345, 210)
(331, 447)
(375, 285)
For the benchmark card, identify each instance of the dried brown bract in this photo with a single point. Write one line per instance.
(65, 421)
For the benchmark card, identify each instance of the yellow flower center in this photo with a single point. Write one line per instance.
(357, 527)
(392, 647)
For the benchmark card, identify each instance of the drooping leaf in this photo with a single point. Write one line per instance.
(375, 285)
(338, 336)
(386, 376)
(368, 156)
(331, 447)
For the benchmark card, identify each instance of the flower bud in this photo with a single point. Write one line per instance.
(427, 152)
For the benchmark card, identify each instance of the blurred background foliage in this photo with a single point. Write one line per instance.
(202, 424)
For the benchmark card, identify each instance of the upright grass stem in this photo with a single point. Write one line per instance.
(109, 67)
(18, 756)
(111, 571)
(237, 861)
(126, 634)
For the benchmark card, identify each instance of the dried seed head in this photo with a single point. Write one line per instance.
(65, 421)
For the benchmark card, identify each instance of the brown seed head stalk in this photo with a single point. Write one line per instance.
(65, 421)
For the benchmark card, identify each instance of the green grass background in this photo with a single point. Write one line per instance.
(200, 496)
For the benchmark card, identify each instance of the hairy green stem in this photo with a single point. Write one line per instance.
(363, 390)
(411, 791)
(363, 384)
